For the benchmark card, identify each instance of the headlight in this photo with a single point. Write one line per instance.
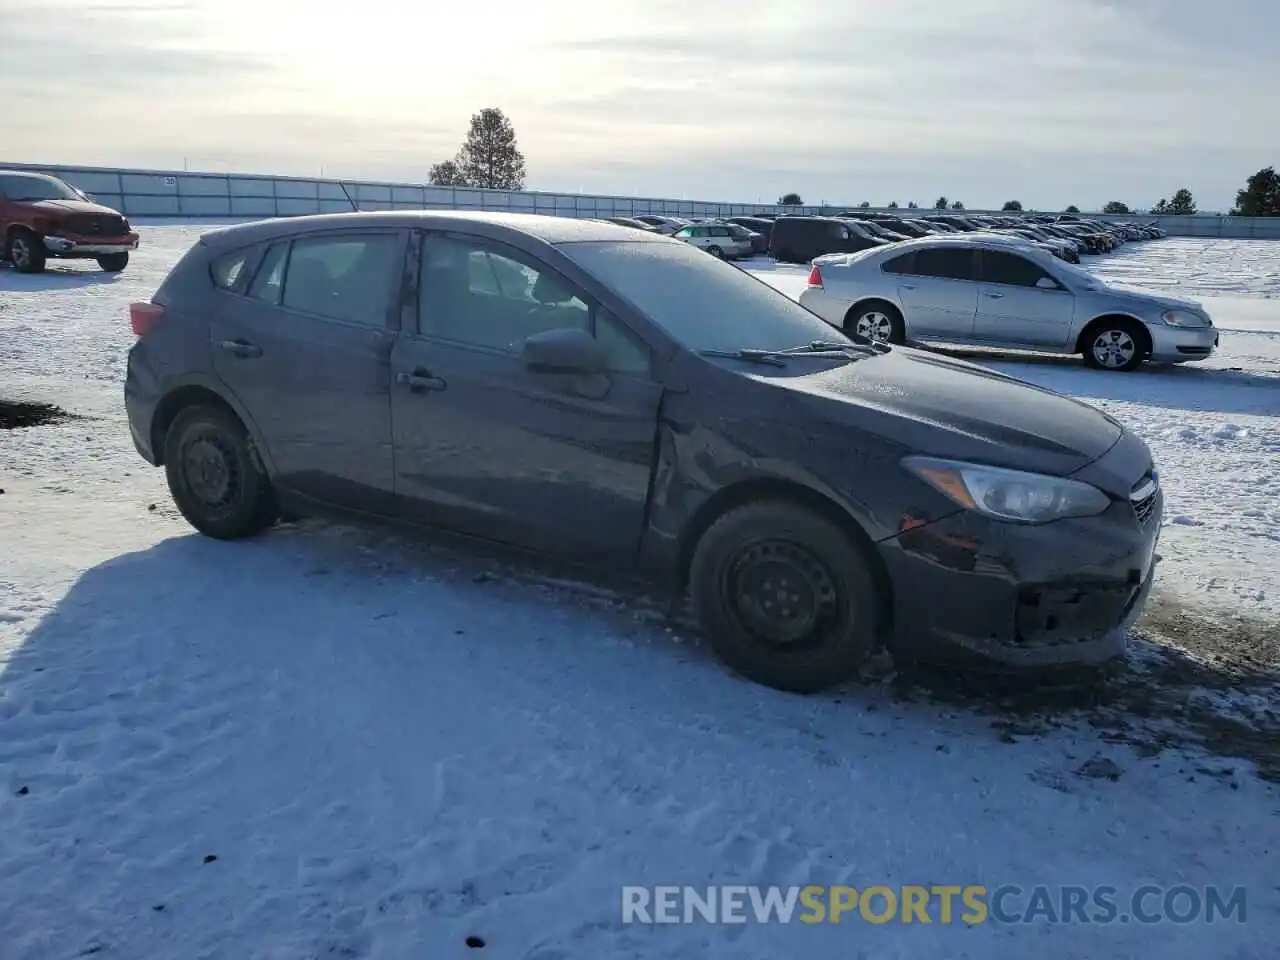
(1181, 318)
(1009, 494)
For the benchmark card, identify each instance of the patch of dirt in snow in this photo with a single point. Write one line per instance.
(17, 414)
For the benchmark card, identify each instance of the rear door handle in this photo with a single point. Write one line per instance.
(241, 348)
(908, 286)
(419, 381)
(996, 296)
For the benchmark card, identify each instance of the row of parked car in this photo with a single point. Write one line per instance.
(798, 239)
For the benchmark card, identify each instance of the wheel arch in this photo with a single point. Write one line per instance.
(1097, 322)
(193, 394)
(752, 489)
(873, 301)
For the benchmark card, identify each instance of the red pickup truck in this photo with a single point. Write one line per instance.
(43, 217)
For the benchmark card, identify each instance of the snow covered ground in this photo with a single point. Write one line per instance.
(332, 742)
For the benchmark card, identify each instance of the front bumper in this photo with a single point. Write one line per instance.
(972, 592)
(1181, 344)
(71, 245)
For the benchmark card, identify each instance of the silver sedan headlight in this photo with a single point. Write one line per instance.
(1183, 318)
(1009, 495)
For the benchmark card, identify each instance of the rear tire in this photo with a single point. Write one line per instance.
(784, 596)
(1119, 345)
(113, 262)
(715, 252)
(26, 251)
(877, 321)
(214, 476)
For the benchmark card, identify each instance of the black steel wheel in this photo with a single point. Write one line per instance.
(216, 480)
(785, 596)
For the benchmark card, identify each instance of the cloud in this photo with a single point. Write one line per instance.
(986, 99)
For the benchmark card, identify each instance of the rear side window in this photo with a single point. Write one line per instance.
(900, 264)
(228, 270)
(949, 263)
(346, 277)
(1009, 268)
(268, 282)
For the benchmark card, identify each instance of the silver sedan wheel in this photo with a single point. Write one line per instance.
(875, 325)
(1113, 349)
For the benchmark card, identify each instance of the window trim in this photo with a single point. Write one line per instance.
(413, 300)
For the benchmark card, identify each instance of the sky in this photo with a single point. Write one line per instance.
(842, 101)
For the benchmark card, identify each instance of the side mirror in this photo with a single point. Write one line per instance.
(563, 350)
(1047, 283)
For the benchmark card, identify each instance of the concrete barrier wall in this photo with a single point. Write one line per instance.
(167, 193)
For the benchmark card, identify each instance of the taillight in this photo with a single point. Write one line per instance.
(815, 276)
(144, 316)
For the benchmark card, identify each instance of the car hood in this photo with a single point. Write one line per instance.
(949, 408)
(71, 206)
(1140, 298)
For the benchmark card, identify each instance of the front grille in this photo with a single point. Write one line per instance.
(1144, 496)
(96, 224)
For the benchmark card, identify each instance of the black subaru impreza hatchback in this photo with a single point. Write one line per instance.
(621, 398)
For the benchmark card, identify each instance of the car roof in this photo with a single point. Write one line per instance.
(542, 227)
(27, 174)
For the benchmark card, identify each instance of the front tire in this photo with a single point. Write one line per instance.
(113, 262)
(214, 476)
(26, 251)
(785, 597)
(1118, 345)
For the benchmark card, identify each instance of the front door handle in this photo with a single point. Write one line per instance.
(908, 286)
(996, 296)
(241, 348)
(419, 381)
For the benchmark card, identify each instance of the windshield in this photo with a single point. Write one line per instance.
(701, 302)
(37, 188)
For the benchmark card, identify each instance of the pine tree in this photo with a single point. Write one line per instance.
(1072, 209)
(790, 200)
(912, 205)
(941, 204)
(1182, 204)
(957, 205)
(490, 157)
(1115, 206)
(893, 205)
(1014, 205)
(447, 174)
(1261, 195)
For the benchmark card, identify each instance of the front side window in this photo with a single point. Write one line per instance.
(1010, 269)
(948, 263)
(347, 277)
(493, 297)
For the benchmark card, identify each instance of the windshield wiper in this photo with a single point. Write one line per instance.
(772, 358)
(830, 346)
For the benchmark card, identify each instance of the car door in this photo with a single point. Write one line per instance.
(938, 290)
(1020, 303)
(306, 348)
(488, 445)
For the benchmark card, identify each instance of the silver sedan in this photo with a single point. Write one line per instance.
(983, 292)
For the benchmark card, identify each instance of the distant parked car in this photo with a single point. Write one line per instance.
(42, 217)
(800, 239)
(977, 290)
(627, 401)
(633, 223)
(759, 225)
(717, 239)
(664, 225)
(759, 242)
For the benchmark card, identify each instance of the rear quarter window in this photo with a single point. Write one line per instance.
(228, 270)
